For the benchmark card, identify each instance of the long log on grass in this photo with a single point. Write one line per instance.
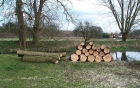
(31, 58)
(33, 53)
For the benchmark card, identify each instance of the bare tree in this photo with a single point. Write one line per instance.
(34, 13)
(44, 11)
(87, 30)
(126, 14)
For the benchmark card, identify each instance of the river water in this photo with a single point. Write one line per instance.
(126, 56)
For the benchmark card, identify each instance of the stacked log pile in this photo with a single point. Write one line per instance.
(89, 52)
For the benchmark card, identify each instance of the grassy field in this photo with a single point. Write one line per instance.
(17, 74)
(14, 73)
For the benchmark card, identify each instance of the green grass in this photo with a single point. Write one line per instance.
(17, 74)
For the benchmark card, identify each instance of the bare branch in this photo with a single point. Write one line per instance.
(2, 3)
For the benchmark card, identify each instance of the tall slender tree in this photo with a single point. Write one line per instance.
(21, 26)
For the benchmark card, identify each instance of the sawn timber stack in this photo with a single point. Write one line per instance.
(86, 51)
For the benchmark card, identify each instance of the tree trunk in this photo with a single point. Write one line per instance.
(35, 40)
(50, 58)
(37, 12)
(124, 36)
(21, 26)
(33, 53)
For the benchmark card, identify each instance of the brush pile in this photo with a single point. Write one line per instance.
(86, 51)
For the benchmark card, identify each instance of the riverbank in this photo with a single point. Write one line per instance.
(68, 45)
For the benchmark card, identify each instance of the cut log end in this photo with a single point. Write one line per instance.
(83, 58)
(107, 58)
(74, 57)
(106, 50)
(78, 52)
(91, 58)
(98, 58)
(80, 47)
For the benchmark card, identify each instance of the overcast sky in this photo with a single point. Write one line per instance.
(90, 10)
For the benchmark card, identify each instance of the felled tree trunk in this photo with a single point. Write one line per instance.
(29, 58)
(33, 53)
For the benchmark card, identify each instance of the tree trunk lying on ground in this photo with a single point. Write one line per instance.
(32, 56)
(89, 52)
(33, 53)
(50, 58)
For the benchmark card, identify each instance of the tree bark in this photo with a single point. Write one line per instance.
(33, 53)
(50, 58)
(37, 13)
(21, 26)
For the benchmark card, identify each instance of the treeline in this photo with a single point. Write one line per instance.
(9, 30)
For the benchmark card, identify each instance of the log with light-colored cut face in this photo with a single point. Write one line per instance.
(80, 47)
(106, 50)
(87, 54)
(74, 57)
(102, 47)
(95, 53)
(102, 53)
(107, 58)
(83, 58)
(78, 52)
(84, 50)
(90, 51)
(88, 46)
(91, 58)
(98, 58)
(94, 47)
(98, 49)
(82, 43)
(90, 43)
